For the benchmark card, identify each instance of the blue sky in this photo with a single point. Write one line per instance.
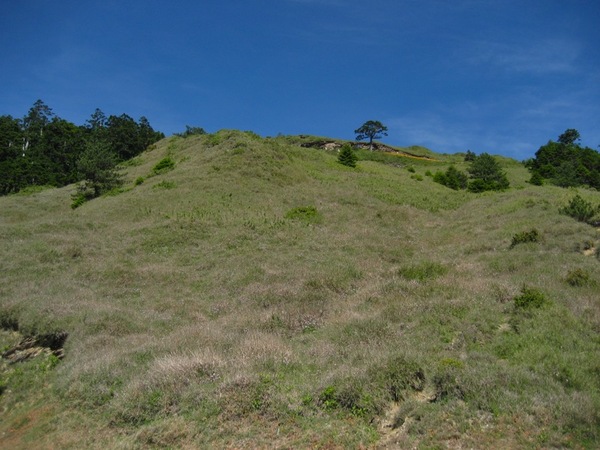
(497, 76)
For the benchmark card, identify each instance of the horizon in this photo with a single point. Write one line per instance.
(495, 77)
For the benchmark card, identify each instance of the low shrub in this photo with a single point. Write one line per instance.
(530, 298)
(308, 214)
(578, 277)
(452, 178)
(579, 209)
(398, 376)
(164, 165)
(138, 181)
(525, 237)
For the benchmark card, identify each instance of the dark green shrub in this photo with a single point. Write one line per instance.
(524, 237)
(536, 179)
(164, 165)
(447, 380)
(411, 169)
(138, 181)
(452, 178)
(398, 376)
(530, 298)
(307, 214)
(192, 131)
(578, 277)
(347, 156)
(579, 209)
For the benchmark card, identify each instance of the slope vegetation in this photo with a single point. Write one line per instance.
(259, 294)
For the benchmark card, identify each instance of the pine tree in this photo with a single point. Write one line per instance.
(347, 156)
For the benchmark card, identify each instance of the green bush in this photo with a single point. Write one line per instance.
(524, 237)
(79, 199)
(578, 277)
(347, 156)
(164, 165)
(452, 178)
(398, 376)
(536, 179)
(530, 298)
(138, 181)
(579, 209)
(307, 214)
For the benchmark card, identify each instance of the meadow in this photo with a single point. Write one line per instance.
(253, 293)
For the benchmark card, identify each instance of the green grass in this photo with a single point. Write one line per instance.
(264, 295)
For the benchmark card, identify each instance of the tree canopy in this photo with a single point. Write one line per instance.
(371, 129)
(565, 163)
(43, 149)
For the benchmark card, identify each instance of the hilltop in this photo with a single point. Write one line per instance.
(257, 293)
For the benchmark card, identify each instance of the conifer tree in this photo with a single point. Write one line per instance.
(347, 156)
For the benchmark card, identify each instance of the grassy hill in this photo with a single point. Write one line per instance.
(260, 294)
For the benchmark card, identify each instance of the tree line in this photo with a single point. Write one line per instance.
(42, 149)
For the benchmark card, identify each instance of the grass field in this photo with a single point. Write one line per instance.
(259, 294)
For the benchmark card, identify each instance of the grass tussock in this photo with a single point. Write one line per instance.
(249, 292)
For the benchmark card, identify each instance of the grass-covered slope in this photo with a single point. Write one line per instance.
(259, 294)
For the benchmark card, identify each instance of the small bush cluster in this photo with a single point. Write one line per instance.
(367, 395)
(530, 298)
(525, 237)
(578, 278)
(452, 178)
(164, 165)
(308, 214)
(579, 209)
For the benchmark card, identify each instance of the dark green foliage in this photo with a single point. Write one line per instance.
(452, 178)
(447, 380)
(569, 137)
(97, 168)
(578, 277)
(486, 174)
(307, 214)
(525, 237)
(43, 149)
(371, 129)
(579, 209)
(192, 131)
(347, 156)
(164, 165)
(399, 376)
(470, 156)
(536, 179)
(565, 163)
(530, 298)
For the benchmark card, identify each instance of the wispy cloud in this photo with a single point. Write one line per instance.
(537, 57)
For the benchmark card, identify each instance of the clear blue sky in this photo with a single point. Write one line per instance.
(497, 76)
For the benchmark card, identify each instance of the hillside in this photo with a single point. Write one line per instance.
(260, 294)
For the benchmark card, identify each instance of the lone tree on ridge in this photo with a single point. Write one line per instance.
(371, 129)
